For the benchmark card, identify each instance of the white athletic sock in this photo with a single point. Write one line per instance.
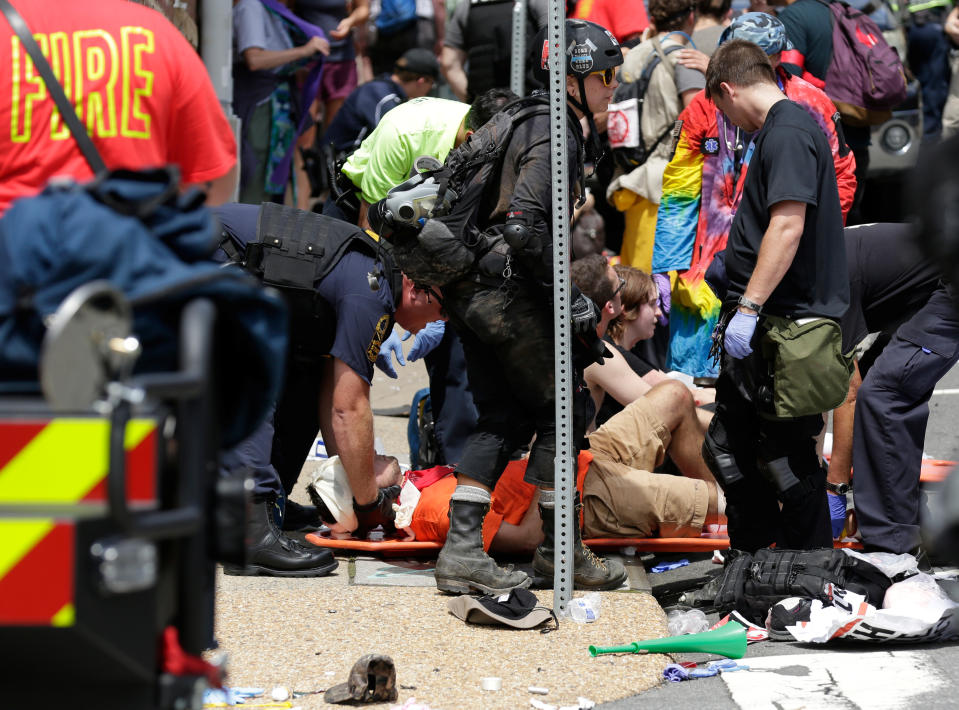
(471, 494)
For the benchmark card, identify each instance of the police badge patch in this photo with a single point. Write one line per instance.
(710, 146)
(379, 335)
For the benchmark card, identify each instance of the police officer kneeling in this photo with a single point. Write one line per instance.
(344, 294)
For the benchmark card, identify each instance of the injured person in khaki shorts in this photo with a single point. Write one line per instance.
(621, 495)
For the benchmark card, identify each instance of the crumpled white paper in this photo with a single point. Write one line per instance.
(409, 497)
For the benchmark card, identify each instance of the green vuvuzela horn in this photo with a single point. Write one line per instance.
(728, 640)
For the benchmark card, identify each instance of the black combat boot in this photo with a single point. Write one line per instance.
(463, 565)
(269, 552)
(589, 571)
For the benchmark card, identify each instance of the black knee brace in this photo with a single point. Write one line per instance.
(722, 464)
(787, 485)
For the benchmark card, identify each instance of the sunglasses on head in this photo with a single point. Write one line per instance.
(607, 75)
(622, 282)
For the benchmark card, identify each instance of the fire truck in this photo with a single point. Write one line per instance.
(111, 517)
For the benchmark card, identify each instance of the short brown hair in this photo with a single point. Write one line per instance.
(639, 289)
(740, 63)
(591, 276)
(716, 9)
(669, 15)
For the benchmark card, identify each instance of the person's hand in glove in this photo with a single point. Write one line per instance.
(665, 297)
(384, 360)
(584, 315)
(739, 333)
(378, 512)
(426, 340)
(837, 512)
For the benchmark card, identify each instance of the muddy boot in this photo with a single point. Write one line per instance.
(463, 565)
(589, 571)
(269, 552)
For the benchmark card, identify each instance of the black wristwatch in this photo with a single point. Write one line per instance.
(752, 305)
(840, 489)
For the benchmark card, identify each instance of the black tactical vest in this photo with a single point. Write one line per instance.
(488, 44)
(293, 251)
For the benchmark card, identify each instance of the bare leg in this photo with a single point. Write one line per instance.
(674, 404)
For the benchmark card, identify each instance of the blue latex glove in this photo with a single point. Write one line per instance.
(739, 333)
(384, 361)
(837, 512)
(675, 673)
(426, 340)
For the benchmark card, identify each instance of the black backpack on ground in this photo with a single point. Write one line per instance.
(752, 583)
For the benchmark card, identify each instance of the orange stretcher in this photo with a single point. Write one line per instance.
(706, 542)
(935, 470)
(932, 470)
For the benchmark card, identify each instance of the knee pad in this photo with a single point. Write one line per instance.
(788, 486)
(722, 464)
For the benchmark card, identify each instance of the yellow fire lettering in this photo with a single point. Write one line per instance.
(27, 89)
(60, 63)
(137, 81)
(95, 68)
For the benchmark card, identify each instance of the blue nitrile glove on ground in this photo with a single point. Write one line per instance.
(426, 340)
(837, 512)
(384, 360)
(739, 333)
(666, 566)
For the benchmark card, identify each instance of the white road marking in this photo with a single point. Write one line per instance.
(950, 391)
(869, 680)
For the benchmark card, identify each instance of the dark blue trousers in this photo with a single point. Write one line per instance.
(928, 55)
(892, 409)
(454, 413)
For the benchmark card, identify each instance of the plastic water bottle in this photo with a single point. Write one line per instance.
(585, 609)
(680, 622)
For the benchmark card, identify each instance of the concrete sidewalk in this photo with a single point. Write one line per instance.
(305, 634)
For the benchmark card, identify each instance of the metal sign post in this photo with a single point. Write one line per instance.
(517, 65)
(565, 471)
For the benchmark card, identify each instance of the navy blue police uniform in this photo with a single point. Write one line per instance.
(350, 322)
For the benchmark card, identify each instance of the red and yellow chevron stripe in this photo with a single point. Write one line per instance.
(52, 472)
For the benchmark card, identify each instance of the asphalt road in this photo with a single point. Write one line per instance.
(789, 676)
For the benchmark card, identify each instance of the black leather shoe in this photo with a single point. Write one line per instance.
(273, 554)
(300, 518)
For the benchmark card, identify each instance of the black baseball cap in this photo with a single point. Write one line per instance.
(419, 61)
(518, 609)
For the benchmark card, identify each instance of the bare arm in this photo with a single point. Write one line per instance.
(617, 378)
(523, 538)
(778, 249)
(219, 190)
(362, 221)
(840, 463)
(259, 59)
(351, 422)
(439, 22)
(359, 15)
(451, 62)
(687, 96)
(952, 25)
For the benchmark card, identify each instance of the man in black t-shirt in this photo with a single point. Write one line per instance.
(785, 257)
